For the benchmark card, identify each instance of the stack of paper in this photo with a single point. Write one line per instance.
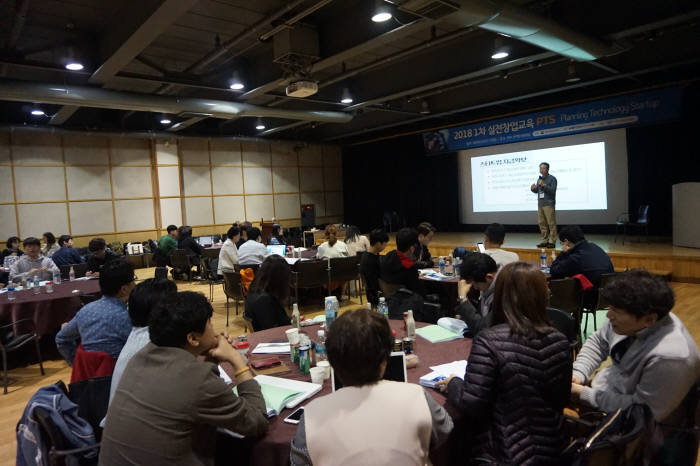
(443, 371)
(437, 334)
(280, 393)
(272, 348)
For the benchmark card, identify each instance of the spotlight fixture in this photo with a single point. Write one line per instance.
(165, 121)
(74, 66)
(571, 76)
(424, 108)
(499, 50)
(259, 125)
(346, 98)
(382, 12)
(236, 83)
(37, 112)
(500, 54)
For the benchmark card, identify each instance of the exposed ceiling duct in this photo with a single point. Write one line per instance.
(59, 94)
(507, 19)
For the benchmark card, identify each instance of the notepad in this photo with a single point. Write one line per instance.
(442, 372)
(272, 348)
(280, 393)
(437, 334)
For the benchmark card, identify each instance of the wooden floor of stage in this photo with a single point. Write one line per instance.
(655, 254)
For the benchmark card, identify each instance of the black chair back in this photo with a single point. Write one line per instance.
(643, 214)
(310, 274)
(233, 287)
(181, 261)
(388, 289)
(161, 273)
(344, 269)
(566, 323)
(566, 295)
(604, 281)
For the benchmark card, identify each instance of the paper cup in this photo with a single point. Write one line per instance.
(326, 366)
(317, 375)
(293, 335)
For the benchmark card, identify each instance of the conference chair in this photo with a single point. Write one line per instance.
(78, 269)
(641, 223)
(601, 303)
(10, 342)
(566, 324)
(344, 269)
(180, 261)
(566, 295)
(388, 289)
(209, 274)
(233, 289)
(309, 274)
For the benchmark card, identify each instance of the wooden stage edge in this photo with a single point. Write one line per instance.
(657, 255)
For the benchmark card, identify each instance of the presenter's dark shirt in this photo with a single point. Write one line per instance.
(549, 189)
(585, 258)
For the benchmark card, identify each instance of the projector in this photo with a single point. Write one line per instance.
(301, 89)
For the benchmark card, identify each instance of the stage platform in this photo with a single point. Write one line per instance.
(654, 254)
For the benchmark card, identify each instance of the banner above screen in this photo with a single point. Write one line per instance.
(616, 112)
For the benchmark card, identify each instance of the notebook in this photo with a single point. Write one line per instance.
(280, 393)
(442, 372)
(438, 333)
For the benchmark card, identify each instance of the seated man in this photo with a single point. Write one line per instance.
(332, 247)
(166, 245)
(494, 236)
(397, 267)
(99, 256)
(67, 255)
(370, 420)
(252, 252)
(168, 403)
(369, 264)
(421, 253)
(142, 300)
(655, 361)
(228, 256)
(478, 271)
(580, 256)
(32, 263)
(101, 325)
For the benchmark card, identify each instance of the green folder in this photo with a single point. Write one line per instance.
(437, 334)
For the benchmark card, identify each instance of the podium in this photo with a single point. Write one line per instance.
(686, 221)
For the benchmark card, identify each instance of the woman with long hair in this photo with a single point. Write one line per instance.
(12, 247)
(264, 305)
(277, 236)
(50, 245)
(355, 242)
(518, 377)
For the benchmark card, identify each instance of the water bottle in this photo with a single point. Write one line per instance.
(457, 263)
(410, 325)
(49, 287)
(11, 295)
(383, 309)
(305, 355)
(37, 284)
(71, 273)
(57, 278)
(321, 354)
(330, 312)
(296, 318)
(543, 259)
(554, 255)
(441, 265)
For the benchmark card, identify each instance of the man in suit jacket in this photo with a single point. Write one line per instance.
(168, 404)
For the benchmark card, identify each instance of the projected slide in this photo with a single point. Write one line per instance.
(501, 182)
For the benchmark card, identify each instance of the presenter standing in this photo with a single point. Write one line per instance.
(546, 190)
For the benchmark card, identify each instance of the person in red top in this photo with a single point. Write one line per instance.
(398, 267)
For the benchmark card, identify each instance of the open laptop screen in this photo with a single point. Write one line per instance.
(278, 249)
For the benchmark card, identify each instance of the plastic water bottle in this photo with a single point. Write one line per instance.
(321, 347)
(410, 325)
(296, 318)
(57, 278)
(330, 312)
(383, 309)
(11, 295)
(543, 259)
(304, 354)
(457, 263)
(37, 285)
(71, 273)
(441, 265)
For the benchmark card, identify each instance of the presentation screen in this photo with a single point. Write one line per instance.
(591, 173)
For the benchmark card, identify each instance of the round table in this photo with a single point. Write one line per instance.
(47, 310)
(447, 289)
(273, 448)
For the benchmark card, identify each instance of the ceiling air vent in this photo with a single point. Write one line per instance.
(431, 9)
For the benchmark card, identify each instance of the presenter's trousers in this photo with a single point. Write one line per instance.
(548, 223)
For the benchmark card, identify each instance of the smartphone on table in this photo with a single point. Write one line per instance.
(295, 417)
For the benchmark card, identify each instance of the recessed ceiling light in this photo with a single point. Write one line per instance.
(236, 82)
(259, 125)
(500, 54)
(237, 86)
(38, 112)
(571, 75)
(573, 79)
(165, 121)
(381, 16)
(74, 66)
(346, 98)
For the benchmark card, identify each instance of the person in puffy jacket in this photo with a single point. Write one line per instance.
(518, 377)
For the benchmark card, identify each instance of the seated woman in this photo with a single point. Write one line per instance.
(355, 242)
(228, 256)
(191, 247)
(12, 248)
(270, 288)
(332, 247)
(50, 245)
(277, 235)
(518, 378)
(369, 420)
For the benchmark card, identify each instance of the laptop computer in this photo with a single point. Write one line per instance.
(395, 370)
(278, 249)
(205, 241)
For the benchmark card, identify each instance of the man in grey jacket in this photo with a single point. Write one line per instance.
(32, 263)
(546, 190)
(655, 361)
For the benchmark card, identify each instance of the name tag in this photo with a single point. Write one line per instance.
(541, 195)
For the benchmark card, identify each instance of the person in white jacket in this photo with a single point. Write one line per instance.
(228, 256)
